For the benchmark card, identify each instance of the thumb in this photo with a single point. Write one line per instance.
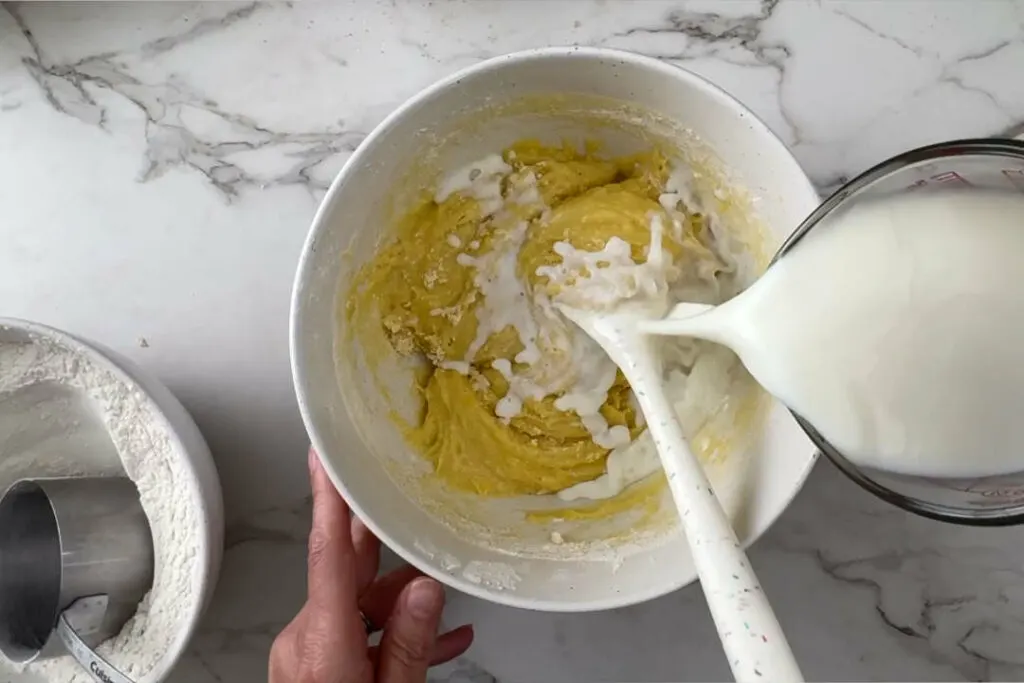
(408, 641)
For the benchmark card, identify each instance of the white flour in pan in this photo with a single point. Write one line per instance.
(38, 381)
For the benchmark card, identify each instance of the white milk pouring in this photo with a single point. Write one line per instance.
(896, 328)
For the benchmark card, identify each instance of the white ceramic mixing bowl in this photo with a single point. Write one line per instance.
(626, 101)
(203, 483)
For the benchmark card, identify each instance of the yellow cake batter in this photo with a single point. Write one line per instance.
(424, 285)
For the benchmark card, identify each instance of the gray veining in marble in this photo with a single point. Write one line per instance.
(188, 145)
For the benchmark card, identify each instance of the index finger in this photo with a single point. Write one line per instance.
(332, 564)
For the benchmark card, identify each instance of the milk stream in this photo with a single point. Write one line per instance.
(897, 330)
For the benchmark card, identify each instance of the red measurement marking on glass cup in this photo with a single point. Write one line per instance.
(993, 492)
(999, 497)
(1016, 177)
(950, 178)
(947, 178)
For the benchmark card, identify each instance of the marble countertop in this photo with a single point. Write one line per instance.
(159, 167)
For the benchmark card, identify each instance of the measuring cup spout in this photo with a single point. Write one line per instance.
(688, 320)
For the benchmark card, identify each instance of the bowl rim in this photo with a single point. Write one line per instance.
(320, 224)
(206, 573)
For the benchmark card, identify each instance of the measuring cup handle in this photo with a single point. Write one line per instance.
(99, 668)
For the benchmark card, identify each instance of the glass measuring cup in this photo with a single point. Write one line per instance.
(989, 163)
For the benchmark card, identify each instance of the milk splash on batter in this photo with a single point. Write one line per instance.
(592, 280)
(516, 399)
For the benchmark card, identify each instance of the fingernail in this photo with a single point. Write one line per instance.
(314, 460)
(425, 598)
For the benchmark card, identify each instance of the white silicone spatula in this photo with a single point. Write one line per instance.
(751, 636)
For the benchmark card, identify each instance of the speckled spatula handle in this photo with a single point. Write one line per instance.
(751, 636)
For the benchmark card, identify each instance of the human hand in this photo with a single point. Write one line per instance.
(327, 640)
